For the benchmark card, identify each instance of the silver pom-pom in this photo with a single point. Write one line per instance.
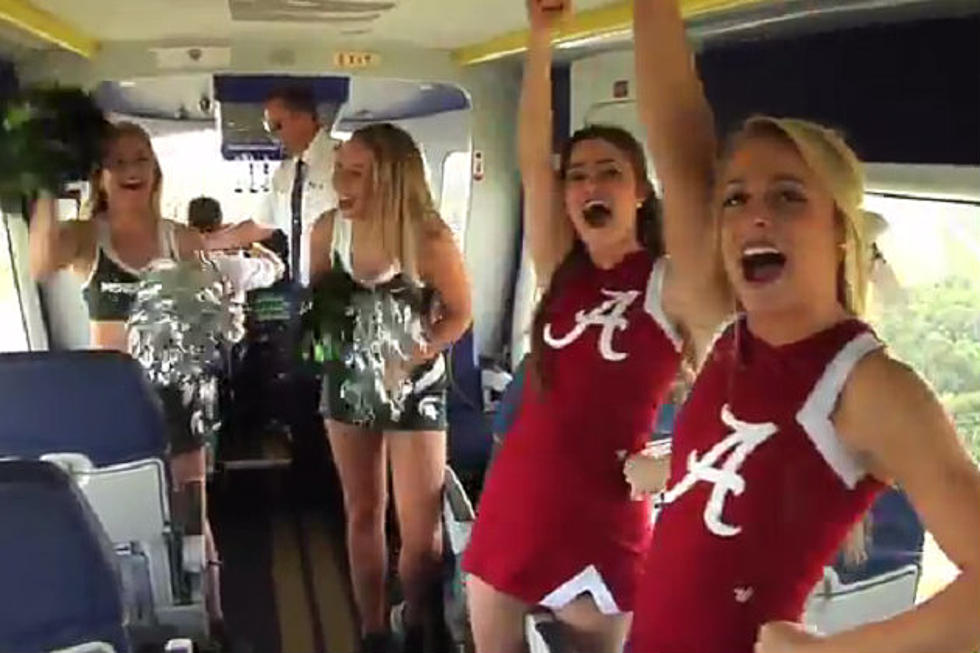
(387, 331)
(183, 313)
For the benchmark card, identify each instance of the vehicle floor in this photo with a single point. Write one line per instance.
(285, 585)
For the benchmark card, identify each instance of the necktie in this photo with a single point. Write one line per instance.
(296, 204)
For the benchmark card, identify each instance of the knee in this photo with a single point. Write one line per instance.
(422, 550)
(365, 515)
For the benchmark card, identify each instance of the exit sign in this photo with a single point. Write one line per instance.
(349, 60)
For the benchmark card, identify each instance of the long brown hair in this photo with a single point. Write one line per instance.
(648, 232)
(98, 202)
(400, 194)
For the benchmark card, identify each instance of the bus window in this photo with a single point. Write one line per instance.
(454, 203)
(13, 331)
(925, 304)
(193, 166)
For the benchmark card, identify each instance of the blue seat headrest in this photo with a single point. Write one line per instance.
(97, 403)
(60, 583)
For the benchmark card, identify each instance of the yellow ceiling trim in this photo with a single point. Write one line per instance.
(47, 27)
(610, 19)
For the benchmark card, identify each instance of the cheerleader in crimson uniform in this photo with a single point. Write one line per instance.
(798, 416)
(556, 525)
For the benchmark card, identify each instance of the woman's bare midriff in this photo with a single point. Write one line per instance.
(109, 335)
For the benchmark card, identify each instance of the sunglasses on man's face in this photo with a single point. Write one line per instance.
(272, 127)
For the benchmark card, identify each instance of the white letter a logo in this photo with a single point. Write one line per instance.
(743, 440)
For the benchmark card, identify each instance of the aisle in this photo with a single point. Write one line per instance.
(284, 583)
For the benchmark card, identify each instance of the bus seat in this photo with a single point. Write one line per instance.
(506, 413)
(896, 540)
(60, 584)
(58, 401)
(457, 522)
(469, 432)
(94, 414)
(836, 606)
(885, 583)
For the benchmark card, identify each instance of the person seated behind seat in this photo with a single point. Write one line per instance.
(247, 269)
(204, 214)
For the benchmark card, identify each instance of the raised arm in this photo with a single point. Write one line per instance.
(891, 418)
(239, 235)
(53, 245)
(681, 138)
(549, 233)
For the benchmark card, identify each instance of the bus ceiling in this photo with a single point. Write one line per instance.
(481, 32)
(234, 104)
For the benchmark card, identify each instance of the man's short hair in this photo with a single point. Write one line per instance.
(295, 97)
(204, 214)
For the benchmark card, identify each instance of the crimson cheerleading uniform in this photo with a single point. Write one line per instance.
(761, 493)
(555, 518)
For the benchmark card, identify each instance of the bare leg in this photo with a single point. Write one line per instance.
(497, 618)
(418, 462)
(360, 459)
(191, 467)
(590, 630)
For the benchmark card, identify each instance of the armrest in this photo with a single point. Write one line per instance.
(460, 504)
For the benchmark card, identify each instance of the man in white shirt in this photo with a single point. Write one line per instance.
(277, 388)
(295, 201)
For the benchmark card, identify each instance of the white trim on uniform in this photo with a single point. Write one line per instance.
(653, 303)
(432, 376)
(587, 581)
(815, 415)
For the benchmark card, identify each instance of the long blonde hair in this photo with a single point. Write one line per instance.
(833, 161)
(400, 195)
(97, 202)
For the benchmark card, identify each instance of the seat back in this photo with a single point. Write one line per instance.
(506, 413)
(457, 522)
(469, 431)
(132, 503)
(95, 413)
(882, 586)
(836, 606)
(97, 403)
(60, 584)
(896, 540)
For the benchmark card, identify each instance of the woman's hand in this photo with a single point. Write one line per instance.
(398, 369)
(421, 353)
(646, 473)
(544, 15)
(785, 637)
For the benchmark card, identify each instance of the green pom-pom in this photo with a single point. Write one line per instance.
(48, 137)
(329, 320)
